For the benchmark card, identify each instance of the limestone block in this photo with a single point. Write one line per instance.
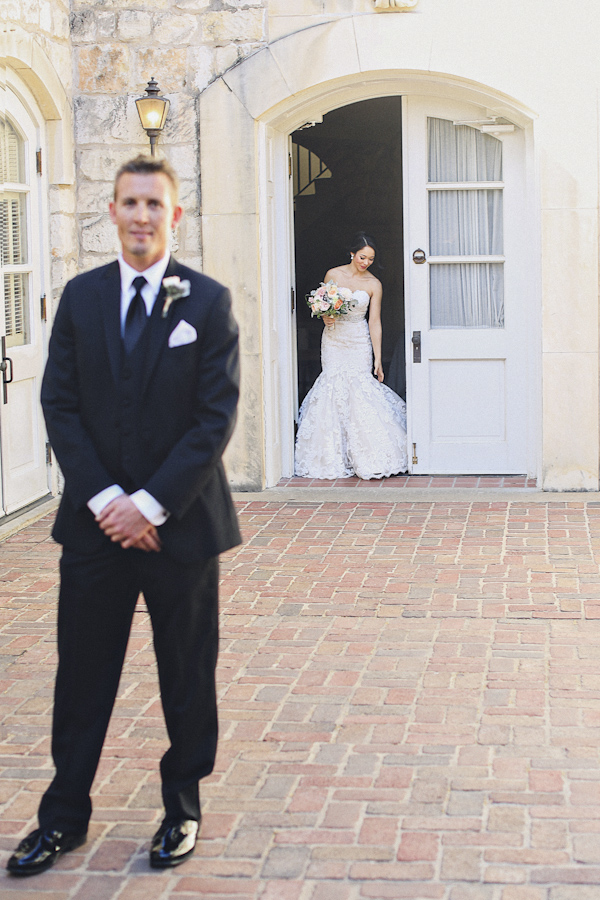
(99, 235)
(194, 262)
(93, 197)
(200, 66)
(86, 263)
(319, 54)
(11, 10)
(224, 27)
(63, 234)
(103, 68)
(83, 26)
(229, 249)
(281, 26)
(46, 16)
(259, 69)
(393, 42)
(225, 57)
(193, 240)
(62, 60)
(100, 119)
(169, 67)
(106, 24)
(347, 7)
(296, 8)
(61, 200)
(182, 121)
(570, 280)
(188, 196)
(60, 23)
(133, 25)
(227, 153)
(184, 159)
(570, 423)
(243, 4)
(30, 12)
(123, 4)
(102, 164)
(244, 457)
(191, 5)
(173, 29)
(62, 270)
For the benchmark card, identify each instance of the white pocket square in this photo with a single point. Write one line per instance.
(183, 333)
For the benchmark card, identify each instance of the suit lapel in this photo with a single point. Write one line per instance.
(160, 327)
(109, 289)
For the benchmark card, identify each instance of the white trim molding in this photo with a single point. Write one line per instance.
(395, 5)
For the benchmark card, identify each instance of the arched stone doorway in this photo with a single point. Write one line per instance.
(246, 118)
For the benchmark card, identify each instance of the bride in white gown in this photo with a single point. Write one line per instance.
(350, 423)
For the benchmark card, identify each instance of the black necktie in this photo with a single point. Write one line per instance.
(136, 318)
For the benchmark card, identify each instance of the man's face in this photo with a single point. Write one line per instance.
(144, 212)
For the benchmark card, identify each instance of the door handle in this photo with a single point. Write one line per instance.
(419, 257)
(416, 342)
(6, 366)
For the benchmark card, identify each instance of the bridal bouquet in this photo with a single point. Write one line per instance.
(330, 300)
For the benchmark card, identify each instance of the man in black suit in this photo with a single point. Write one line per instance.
(139, 395)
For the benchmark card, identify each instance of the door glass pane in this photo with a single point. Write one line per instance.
(13, 233)
(12, 161)
(462, 153)
(465, 223)
(16, 308)
(467, 295)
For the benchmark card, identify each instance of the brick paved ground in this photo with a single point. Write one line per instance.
(410, 708)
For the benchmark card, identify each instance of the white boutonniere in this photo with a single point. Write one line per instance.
(175, 289)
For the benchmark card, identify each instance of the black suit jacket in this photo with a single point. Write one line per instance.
(183, 415)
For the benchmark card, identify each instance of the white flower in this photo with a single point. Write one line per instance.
(175, 289)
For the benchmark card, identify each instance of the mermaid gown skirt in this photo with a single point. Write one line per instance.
(349, 423)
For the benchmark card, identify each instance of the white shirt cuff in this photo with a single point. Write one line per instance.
(99, 501)
(150, 508)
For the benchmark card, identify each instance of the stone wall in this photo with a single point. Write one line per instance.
(184, 44)
(46, 22)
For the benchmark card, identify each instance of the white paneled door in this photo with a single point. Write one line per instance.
(22, 434)
(466, 290)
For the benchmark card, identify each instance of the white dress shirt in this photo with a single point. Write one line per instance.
(149, 507)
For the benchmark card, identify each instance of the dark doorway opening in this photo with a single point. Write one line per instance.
(348, 178)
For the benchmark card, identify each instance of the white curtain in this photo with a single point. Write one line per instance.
(462, 153)
(465, 223)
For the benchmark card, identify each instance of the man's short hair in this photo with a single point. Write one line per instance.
(148, 165)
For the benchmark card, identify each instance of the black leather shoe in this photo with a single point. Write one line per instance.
(40, 850)
(173, 843)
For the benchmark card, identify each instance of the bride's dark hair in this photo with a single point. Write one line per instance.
(360, 240)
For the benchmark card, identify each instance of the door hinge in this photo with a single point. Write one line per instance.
(48, 453)
(289, 165)
(43, 313)
(415, 458)
(38, 162)
(293, 294)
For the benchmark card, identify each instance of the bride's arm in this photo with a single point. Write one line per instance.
(375, 329)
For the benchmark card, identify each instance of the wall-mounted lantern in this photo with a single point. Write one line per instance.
(152, 111)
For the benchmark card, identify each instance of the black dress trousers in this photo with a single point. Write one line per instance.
(98, 595)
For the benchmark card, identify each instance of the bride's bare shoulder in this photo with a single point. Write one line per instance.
(336, 272)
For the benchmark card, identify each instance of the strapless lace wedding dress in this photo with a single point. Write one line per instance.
(350, 423)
